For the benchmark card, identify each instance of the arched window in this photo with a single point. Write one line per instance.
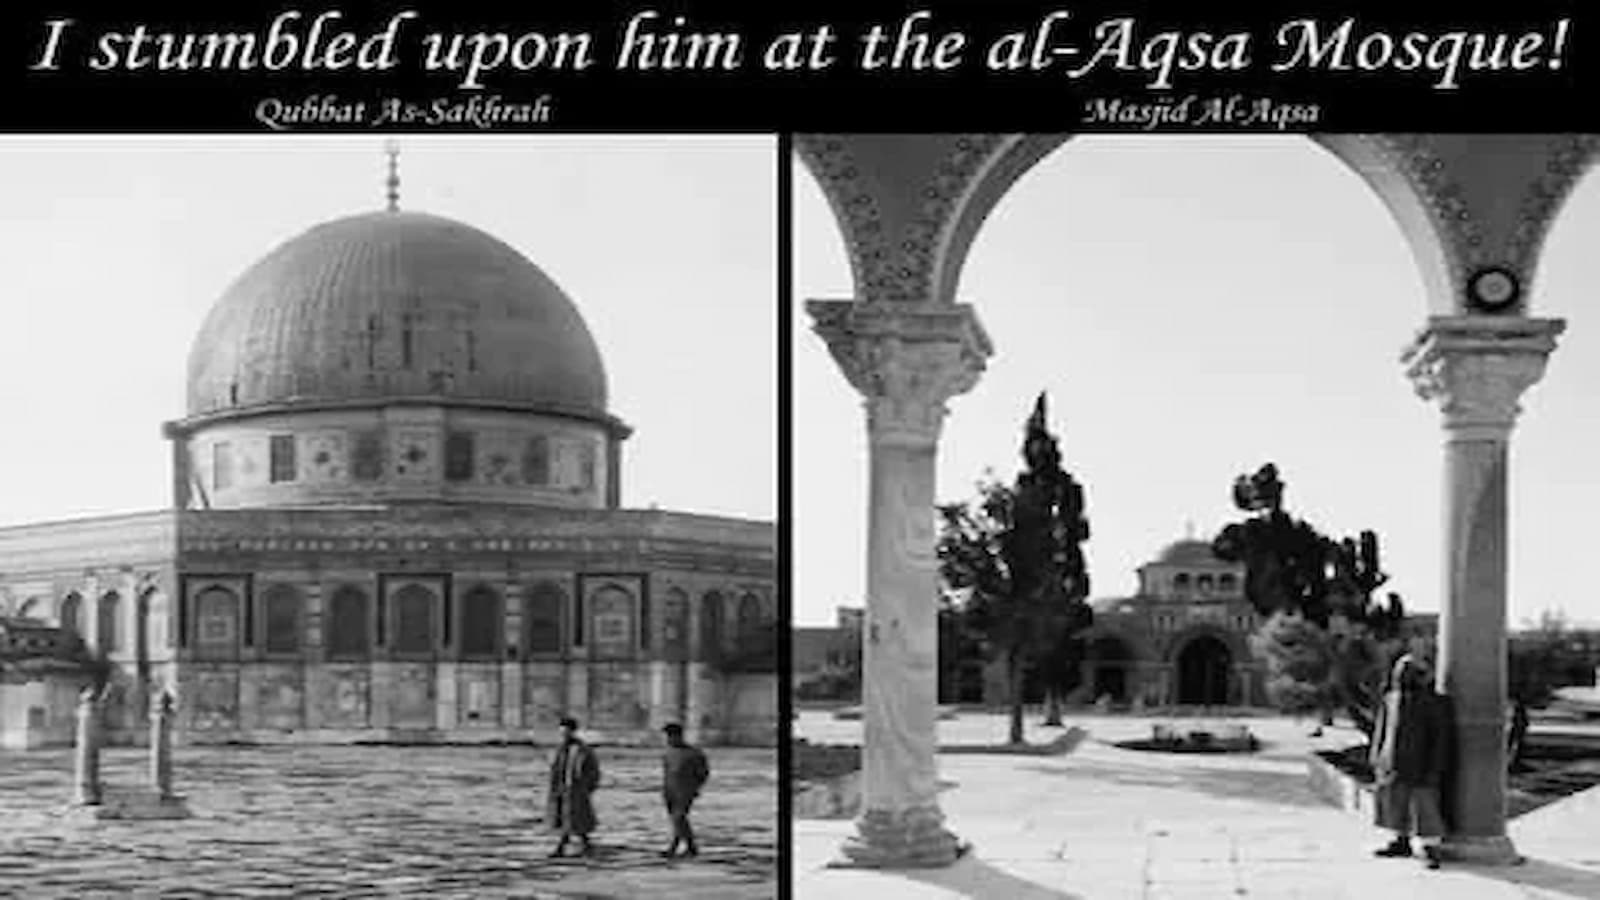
(541, 618)
(1204, 583)
(753, 630)
(345, 631)
(1180, 583)
(282, 607)
(711, 626)
(413, 607)
(481, 623)
(71, 613)
(1227, 583)
(216, 615)
(675, 624)
(108, 623)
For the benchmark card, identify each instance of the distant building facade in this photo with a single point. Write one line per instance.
(1182, 640)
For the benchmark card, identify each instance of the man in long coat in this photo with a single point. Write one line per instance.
(684, 771)
(574, 775)
(1410, 752)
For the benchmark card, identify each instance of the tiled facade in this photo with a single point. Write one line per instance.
(416, 623)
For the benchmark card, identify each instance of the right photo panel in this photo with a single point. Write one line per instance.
(1193, 515)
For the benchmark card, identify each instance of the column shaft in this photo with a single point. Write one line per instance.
(1472, 632)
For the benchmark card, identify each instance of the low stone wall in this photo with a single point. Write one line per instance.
(1337, 787)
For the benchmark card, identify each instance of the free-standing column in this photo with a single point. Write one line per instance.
(907, 360)
(1477, 367)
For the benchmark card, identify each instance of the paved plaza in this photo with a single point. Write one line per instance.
(382, 822)
(1104, 822)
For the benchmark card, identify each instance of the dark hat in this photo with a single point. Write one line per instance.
(672, 728)
(569, 722)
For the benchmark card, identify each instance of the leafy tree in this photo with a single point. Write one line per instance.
(1013, 556)
(1292, 571)
(1299, 660)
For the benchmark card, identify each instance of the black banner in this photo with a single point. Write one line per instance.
(693, 66)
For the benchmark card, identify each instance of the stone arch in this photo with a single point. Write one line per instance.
(912, 245)
(1234, 641)
(347, 625)
(30, 608)
(543, 609)
(282, 611)
(1203, 659)
(108, 630)
(482, 618)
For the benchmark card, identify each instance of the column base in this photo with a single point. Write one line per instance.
(1484, 851)
(907, 839)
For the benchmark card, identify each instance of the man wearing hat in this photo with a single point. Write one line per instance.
(1410, 751)
(684, 771)
(574, 774)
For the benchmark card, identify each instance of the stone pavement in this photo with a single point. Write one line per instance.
(382, 822)
(1105, 822)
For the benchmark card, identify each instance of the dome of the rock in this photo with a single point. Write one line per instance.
(389, 306)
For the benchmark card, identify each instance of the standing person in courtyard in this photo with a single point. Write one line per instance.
(1410, 752)
(574, 775)
(684, 771)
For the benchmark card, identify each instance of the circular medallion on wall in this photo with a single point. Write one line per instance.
(1493, 289)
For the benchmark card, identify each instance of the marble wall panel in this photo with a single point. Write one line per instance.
(342, 696)
(412, 697)
(280, 697)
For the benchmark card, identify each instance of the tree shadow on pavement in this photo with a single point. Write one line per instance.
(1561, 880)
(970, 876)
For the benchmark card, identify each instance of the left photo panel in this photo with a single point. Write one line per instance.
(389, 514)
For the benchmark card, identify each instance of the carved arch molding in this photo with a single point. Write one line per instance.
(909, 206)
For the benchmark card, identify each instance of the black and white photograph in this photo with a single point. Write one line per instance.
(1194, 515)
(389, 515)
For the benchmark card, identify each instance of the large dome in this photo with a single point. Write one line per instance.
(390, 306)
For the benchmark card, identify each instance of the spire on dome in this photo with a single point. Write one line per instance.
(392, 148)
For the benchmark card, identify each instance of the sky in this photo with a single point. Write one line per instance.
(112, 250)
(1195, 306)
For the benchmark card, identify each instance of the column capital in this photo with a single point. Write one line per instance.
(1478, 368)
(906, 359)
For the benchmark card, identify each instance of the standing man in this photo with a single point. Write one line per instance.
(574, 774)
(1410, 752)
(684, 771)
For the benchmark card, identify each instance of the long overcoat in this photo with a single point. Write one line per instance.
(574, 775)
(1413, 748)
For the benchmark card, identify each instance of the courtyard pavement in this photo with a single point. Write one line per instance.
(356, 822)
(1104, 822)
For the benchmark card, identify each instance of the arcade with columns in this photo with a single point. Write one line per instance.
(1474, 209)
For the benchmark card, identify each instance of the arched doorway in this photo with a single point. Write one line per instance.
(1110, 659)
(1202, 669)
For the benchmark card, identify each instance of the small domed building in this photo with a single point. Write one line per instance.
(396, 516)
(1182, 639)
